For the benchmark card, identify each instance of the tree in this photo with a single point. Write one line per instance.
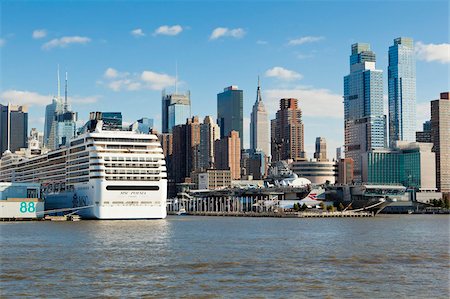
(304, 207)
(322, 205)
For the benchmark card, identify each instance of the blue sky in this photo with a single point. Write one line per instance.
(120, 54)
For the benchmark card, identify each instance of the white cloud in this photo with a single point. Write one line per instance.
(111, 73)
(304, 40)
(283, 74)
(225, 32)
(157, 81)
(313, 102)
(20, 97)
(262, 42)
(137, 32)
(118, 81)
(39, 33)
(2, 42)
(433, 52)
(65, 41)
(169, 30)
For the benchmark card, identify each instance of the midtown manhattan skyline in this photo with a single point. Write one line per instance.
(299, 49)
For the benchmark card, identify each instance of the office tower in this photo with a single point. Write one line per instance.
(60, 121)
(425, 134)
(321, 149)
(364, 122)
(227, 154)
(185, 148)
(143, 125)
(13, 127)
(402, 91)
(230, 105)
(408, 163)
(50, 110)
(209, 133)
(440, 136)
(259, 125)
(345, 171)
(176, 108)
(254, 163)
(287, 132)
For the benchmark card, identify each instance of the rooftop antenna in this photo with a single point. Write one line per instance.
(59, 85)
(176, 77)
(65, 95)
(258, 92)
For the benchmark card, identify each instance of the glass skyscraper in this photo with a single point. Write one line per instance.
(50, 110)
(230, 104)
(364, 121)
(176, 108)
(402, 91)
(13, 127)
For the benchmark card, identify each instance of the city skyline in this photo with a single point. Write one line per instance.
(299, 56)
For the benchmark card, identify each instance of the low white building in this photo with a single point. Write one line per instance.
(318, 172)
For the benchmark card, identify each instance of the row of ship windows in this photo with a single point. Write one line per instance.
(133, 165)
(133, 159)
(132, 171)
(127, 178)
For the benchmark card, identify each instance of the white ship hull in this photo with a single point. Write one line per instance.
(113, 204)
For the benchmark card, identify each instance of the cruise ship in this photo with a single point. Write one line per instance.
(107, 174)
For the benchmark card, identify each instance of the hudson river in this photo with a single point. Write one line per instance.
(403, 256)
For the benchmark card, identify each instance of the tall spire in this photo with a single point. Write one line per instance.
(59, 85)
(258, 93)
(65, 94)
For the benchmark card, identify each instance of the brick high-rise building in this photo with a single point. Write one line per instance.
(440, 136)
(227, 154)
(185, 148)
(345, 171)
(287, 132)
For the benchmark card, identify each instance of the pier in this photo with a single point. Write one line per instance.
(256, 203)
(311, 214)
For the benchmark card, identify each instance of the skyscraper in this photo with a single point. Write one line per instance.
(230, 105)
(209, 133)
(185, 147)
(56, 105)
(402, 91)
(259, 125)
(287, 132)
(176, 108)
(227, 154)
(440, 136)
(13, 127)
(321, 149)
(60, 121)
(364, 121)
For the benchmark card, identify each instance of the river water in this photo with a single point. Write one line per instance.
(404, 256)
